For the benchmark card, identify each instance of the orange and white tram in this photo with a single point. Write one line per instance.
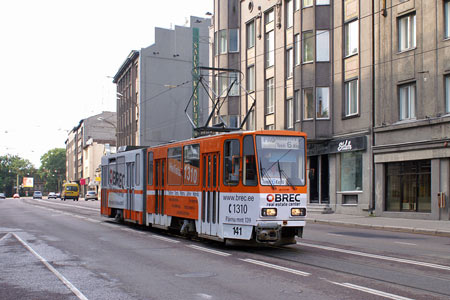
(246, 185)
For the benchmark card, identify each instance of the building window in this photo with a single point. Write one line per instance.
(323, 102)
(322, 2)
(270, 96)
(289, 113)
(297, 5)
(251, 35)
(351, 38)
(308, 104)
(447, 94)
(323, 45)
(447, 18)
(297, 106)
(234, 40)
(297, 49)
(270, 49)
(407, 32)
(307, 3)
(289, 63)
(251, 79)
(223, 85)
(289, 13)
(351, 98)
(351, 171)
(308, 46)
(408, 186)
(223, 41)
(270, 16)
(407, 101)
(234, 83)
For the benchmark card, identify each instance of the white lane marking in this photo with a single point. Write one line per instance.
(163, 239)
(400, 260)
(204, 296)
(264, 264)
(371, 291)
(209, 250)
(5, 236)
(61, 204)
(335, 234)
(408, 244)
(53, 270)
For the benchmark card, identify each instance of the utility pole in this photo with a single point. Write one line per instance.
(17, 184)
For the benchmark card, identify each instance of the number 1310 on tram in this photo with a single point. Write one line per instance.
(239, 186)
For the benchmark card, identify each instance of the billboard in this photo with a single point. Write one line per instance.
(27, 182)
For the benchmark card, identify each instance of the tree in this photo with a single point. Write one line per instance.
(53, 168)
(12, 166)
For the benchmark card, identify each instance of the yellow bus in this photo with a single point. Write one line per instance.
(70, 191)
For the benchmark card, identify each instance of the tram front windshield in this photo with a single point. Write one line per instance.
(281, 160)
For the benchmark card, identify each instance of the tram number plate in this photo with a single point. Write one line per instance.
(241, 232)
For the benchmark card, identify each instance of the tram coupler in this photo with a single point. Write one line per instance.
(267, 232)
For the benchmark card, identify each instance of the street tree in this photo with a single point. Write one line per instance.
(53, 168)
(12, 169)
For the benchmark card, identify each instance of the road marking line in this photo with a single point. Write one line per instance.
(400, 260)
(335, 234)
(371, 291)
(164, 239)
(408, 244)
(53, 270)
(5, 236)
(209, 250)
(264, 264)
(61, 204)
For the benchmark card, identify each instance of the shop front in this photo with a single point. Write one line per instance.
(340, 174)
(413, 184)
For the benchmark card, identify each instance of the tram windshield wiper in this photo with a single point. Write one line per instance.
(281, 171)
(265, 174)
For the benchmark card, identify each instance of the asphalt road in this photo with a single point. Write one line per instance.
(51, 249)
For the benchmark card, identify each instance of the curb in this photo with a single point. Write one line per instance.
(435, 232)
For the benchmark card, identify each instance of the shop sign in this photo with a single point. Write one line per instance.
(338, 146)
(347, 145)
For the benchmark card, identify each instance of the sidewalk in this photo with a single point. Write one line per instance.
(439, 228)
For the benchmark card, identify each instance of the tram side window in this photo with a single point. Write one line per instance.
(150, 168)
(137, 178)
(191, 164)
(231, 162)
(174, 166)
(249, 176)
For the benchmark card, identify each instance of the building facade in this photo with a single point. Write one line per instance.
(167, 82)
(308, 64)
(127, 82)
(155, 84)
(85, 145)
(412, 109)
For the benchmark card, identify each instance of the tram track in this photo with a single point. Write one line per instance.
(319, 261)
(359, 270)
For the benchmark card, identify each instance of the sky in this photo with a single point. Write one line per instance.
(57, 58)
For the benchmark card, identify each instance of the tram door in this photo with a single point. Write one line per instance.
(130, 189)
(160, 171)
(210, 193)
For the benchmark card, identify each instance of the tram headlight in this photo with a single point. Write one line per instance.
(298, 212)
(269, 212)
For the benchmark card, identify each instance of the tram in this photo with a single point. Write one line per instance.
(233, 186)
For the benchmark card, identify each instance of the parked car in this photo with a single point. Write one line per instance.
(91, 195)
(51, 195)
(37, 195)
(58, 195)
(16, 196)
(2, 196)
